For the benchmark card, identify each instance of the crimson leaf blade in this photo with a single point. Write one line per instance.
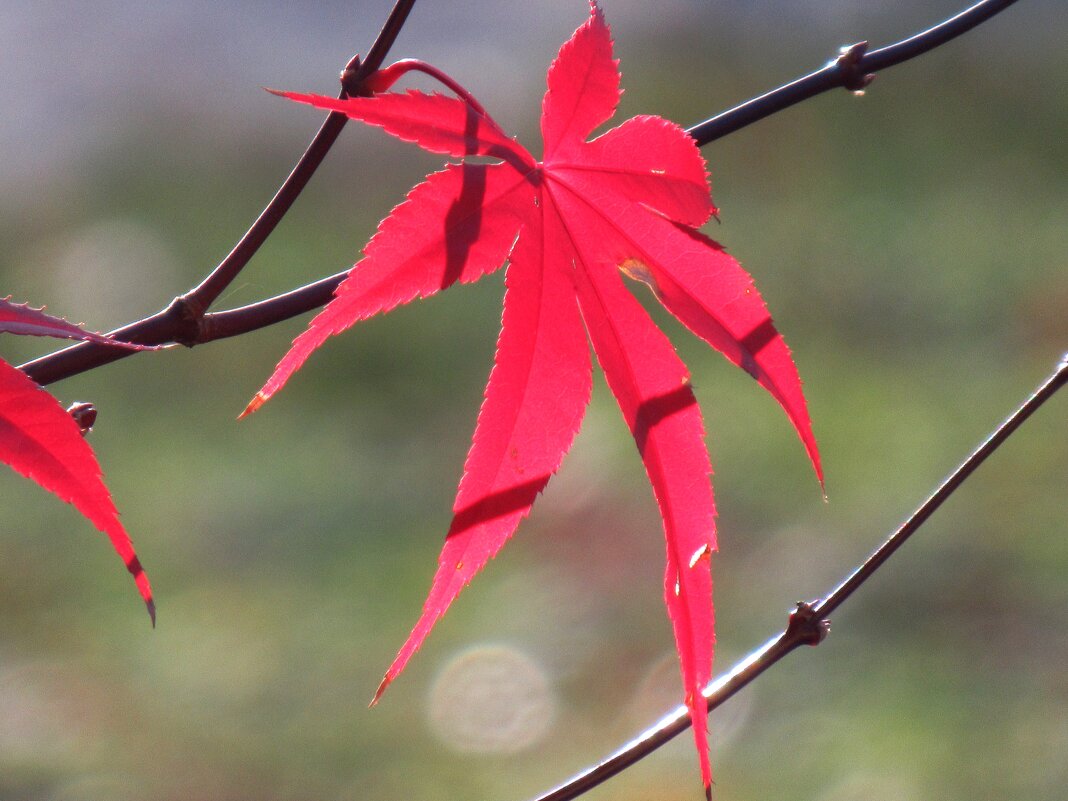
(583, 87)
(535, 400)
(644, 160)
(652, 387)
(42, 442)
(627, 201)
(704, 288)
(435, 122)
(477, 212)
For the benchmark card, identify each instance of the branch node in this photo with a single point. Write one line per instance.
(848, 62)
(84, 415)
(805, 626)
(351, 80)
(188, 312)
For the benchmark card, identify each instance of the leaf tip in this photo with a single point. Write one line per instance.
(133, 565)
(386, 681)
(257, 401)
(817, 465)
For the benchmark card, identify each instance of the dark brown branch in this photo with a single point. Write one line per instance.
(185, 321)
(842, 592)
(229, 268)
(808, 623)
(352, 78)
(234, 322)
(853, 69)
(182, 320)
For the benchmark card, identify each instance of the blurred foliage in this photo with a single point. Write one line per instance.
(911, 246)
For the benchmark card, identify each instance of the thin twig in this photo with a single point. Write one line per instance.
(181, 321)
(352, 77)
(208, 291)
(234, 322)
(808, 623)
(853, 69)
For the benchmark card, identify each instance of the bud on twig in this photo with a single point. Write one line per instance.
(84, 414)
(848, 62)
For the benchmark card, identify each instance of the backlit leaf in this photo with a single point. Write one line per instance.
(626, 203)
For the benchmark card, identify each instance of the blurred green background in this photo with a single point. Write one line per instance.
(910, 243)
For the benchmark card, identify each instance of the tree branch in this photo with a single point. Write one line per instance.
(352, 78)
(187, 322)
(808, 623)
(181, 321)
(234, 322)
(853, 69)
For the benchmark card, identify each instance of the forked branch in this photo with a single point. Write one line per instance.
(183, 320)
(187, 320)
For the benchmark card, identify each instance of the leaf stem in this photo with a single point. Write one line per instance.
(808, 623)
(384, 79)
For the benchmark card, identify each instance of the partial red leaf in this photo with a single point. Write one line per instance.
(20, 318)
(435, 122)
(652, 387)
(627, 201)
(457, 225)
(42, 442)
(645, 160)
(583, 87)
(535, 400)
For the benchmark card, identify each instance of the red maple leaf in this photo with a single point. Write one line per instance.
(626, 202)
(44, 443)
